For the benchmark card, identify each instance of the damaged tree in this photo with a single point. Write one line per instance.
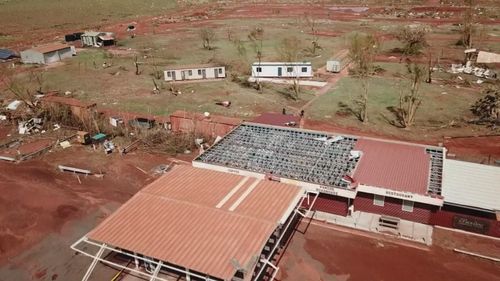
(289, 51)
(410, 101)
(487, 108)
(207, 36)
(413, 39)
(256, 36)
(25, 91)
(467, 25)
(312, 24)
(362, 50)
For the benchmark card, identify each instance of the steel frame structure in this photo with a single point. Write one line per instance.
(160, 265)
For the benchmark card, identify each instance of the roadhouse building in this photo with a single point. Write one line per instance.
(282, 69)
(199, 224)
(194, 72)
(350, 173)
(45, 54)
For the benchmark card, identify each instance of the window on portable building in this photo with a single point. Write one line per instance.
(407, 206)
(199, 71)
(289, 69)
(169, 74)
(190, 72)
(304, 69)
(378, 200)
(220, 70)
(259, 69)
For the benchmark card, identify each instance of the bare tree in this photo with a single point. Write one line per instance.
(136, 64)
(410, 101)
(362, 50)
(256, 37)
(289, 51)
(467, 25)
(207, 36)
(413, 39)
(25, 91)
(312, 25)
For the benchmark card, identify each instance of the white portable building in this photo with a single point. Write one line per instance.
(45, 54)
(194, 72)
(282, 69)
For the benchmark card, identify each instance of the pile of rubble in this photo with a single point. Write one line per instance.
(468, 68)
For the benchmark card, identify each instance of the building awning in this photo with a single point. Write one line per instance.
(471, 185)
(201, 220)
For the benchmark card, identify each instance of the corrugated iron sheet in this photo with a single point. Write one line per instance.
(395, 166)
(487, 57)
(175, 219)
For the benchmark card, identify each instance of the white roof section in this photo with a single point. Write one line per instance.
(281, 63)
(471, 184)
(487, 57)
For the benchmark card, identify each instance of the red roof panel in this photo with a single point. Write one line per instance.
(181, 218)
(395, 166)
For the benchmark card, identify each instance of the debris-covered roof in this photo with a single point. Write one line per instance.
(200, 219)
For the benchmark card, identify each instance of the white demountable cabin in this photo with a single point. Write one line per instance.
(194, 72)
(282, 69)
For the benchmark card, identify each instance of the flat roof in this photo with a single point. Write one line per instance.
(191, 66)
(470, 184)
(52, 47)
(281, 63)
(328, 159)
(200, 219)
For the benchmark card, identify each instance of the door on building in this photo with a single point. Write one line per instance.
(280, 71)
(216, 73)
(173, 75)
(204, 73)
(183, 75)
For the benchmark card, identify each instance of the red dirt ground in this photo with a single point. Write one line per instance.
(481, 149)
(328, 254)
(37, 200)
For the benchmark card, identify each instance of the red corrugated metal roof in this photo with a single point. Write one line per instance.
(188, 218)
(212, 118)
(395, 166)
(50, 47)
(276, 119)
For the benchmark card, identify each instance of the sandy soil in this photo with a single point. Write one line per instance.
(36, 199)
(326, 254)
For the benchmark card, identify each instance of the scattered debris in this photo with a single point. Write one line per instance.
(65, 144)
(74, 170)
(30, 126)
(109, 146)
(161, 169)
(225, 103)
(14, 105)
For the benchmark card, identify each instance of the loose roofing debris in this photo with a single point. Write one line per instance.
(328, 160)
(200, 220)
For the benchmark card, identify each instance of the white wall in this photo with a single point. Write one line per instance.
(287, 71)
(195, 73)
(58, 55)
(31, 56)
(89, 40)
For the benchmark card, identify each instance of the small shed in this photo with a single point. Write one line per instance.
(194, 72)
(282, 69)
(338, 62)
(98, 39)
(49, 53)
(6, 54)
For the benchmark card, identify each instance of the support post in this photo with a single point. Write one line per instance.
(157, 270)
(94, 263)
